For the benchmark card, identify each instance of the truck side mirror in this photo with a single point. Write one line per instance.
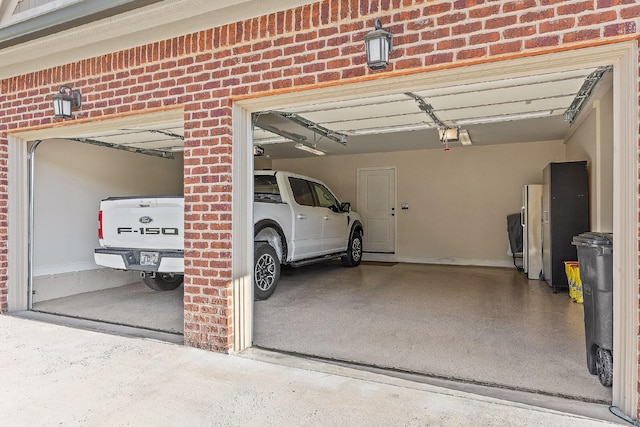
(345, 207)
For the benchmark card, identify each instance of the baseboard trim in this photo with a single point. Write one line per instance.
(380, 257)
(457, 261)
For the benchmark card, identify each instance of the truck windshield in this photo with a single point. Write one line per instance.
(265, 189)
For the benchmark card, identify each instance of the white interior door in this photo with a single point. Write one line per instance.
(376, 204)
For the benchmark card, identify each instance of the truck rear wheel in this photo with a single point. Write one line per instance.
(164, 281)
(266, 271)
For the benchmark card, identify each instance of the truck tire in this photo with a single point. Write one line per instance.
(266, 271)
(164, 281)
(354, 250)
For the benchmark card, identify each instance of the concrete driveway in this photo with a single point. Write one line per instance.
(56, 375)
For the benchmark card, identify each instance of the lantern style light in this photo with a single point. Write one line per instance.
(65, 101)
(378, 44)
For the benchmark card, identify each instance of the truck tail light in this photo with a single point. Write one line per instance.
(100, 225)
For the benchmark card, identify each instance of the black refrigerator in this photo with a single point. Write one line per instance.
(565, 214)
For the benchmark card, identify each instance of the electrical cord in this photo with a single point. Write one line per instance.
(618, 413)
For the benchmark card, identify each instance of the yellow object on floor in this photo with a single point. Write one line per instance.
(573, 277)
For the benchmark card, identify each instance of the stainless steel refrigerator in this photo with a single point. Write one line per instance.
(531, 220)
(565, 214)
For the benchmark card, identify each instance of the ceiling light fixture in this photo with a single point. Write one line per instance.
(503, 118)
(448, 134)
(378, 44)
(391, 129)
(273, 140)
(65, 101)
(465, 138)
(310, 149)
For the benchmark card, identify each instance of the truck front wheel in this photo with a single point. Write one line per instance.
(266, 271)
(163, 281)
(354, 251)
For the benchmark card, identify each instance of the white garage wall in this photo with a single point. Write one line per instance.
(458, 200)
(593, 141)
(70, 180)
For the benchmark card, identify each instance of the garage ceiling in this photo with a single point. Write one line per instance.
(153, 139)
(502, 111)
(524, 109)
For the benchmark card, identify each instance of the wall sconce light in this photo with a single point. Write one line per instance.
(378, 44)
(65, 101)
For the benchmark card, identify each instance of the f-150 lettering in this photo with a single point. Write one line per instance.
(149, 230)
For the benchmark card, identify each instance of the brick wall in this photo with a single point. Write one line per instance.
(312, 45)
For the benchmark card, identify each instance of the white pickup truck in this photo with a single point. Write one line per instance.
(297, 221)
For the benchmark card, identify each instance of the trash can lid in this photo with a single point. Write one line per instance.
(592, 238)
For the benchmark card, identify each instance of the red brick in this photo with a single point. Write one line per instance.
(538, 15)
(467, 4)
(601, 4)
(543, 41)
(582, 35)
(597, 18)
(484, 38)
(451, 44)
(407, 63)
(471, 54)
(630, 12)
(557, 25)
(519, 5)
(484, 12)
(620, 29)
(437, 9)
(501, 22)
(466, 28)
(438, 33)
(575, 8)
(451, 19)
(504, 48)
(420, 49)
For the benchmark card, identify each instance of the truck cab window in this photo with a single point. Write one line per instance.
(301, 192)
(325, 198)
(265, 188)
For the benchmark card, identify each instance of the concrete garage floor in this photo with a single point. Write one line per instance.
(132, 305)
(482, 325)
(487, 326)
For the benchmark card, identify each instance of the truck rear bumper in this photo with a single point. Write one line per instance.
(130, 259)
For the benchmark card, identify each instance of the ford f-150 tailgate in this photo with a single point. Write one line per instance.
(142, 233)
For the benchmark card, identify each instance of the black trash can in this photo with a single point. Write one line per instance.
(595, 257)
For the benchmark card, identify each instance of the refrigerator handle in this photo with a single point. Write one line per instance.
(522, 216)
(545, 217)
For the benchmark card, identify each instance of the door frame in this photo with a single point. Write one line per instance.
(623, 55)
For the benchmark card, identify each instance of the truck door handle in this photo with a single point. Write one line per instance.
(301, 216)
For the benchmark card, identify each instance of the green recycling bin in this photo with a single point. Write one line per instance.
(595, 257)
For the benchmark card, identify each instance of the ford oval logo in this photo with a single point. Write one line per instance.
(145, 219)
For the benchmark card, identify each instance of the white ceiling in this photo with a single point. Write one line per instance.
(368, 122)
(166, 137)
